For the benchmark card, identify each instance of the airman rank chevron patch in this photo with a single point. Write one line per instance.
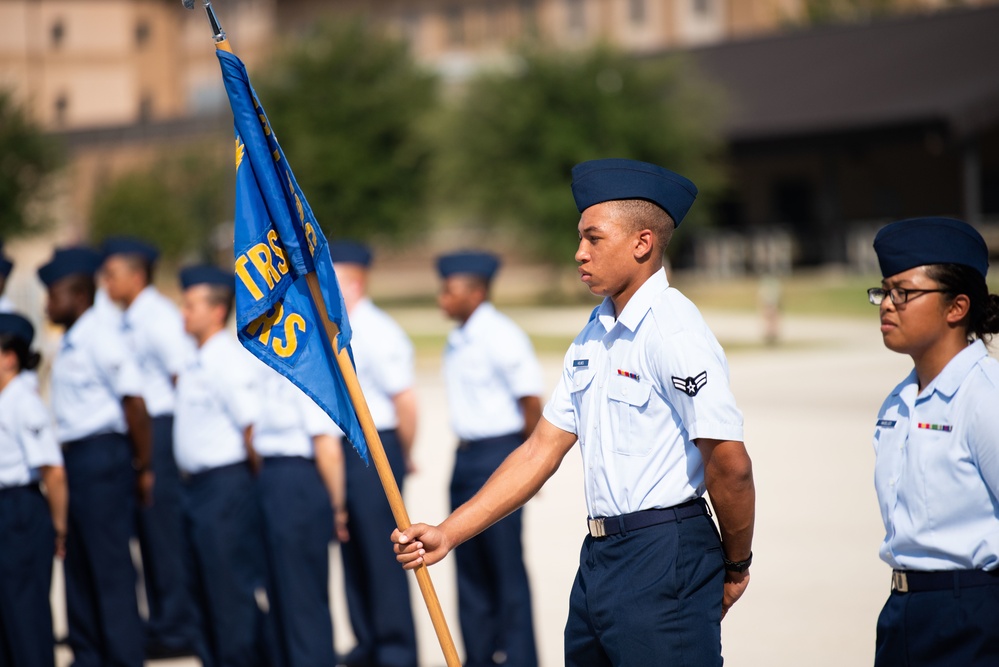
(691, 385)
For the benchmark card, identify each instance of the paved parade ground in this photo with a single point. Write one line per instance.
(810, 404)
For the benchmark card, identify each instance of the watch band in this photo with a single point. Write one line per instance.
(739, 565)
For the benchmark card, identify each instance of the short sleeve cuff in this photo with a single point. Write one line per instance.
(713, 430)
(560, 419)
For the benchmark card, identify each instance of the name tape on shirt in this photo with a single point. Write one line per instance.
(691, 385)
(580, 363)
(887, 423)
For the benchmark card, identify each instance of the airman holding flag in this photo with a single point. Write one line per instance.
(645, 393)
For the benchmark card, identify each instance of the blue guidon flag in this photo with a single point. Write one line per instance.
(278, 242)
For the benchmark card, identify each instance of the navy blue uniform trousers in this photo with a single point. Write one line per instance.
(298, 527)
(171, 612)
(26, 548)
(494, 598)
(228, 565)
(377, 588)
(650, 596)
(940, 629)
(102, 609)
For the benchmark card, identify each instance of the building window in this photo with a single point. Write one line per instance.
(58, 33)
(636, 11)
(529, 17)
(494, 22)
(61, 108)
(702, 8)
(141, 33)
(455, 19)
(576, 17)
(411, 27)
(145, 108)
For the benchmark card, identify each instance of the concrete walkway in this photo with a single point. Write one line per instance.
(809, 403)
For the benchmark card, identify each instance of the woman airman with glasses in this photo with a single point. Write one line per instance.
(936, 448)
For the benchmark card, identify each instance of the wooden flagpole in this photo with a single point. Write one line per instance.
(375, 448)
(377, 453)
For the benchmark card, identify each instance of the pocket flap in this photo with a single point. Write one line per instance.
(581, 379)
(630, 391)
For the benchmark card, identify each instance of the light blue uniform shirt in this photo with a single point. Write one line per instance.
(27, 441)
(637, 392)
(93, 371)
(153, 328)
(383, 358)
(216, 400)
(936, 470)
(288, 418)
(489, 364)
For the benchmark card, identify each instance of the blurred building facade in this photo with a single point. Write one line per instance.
(123, 80)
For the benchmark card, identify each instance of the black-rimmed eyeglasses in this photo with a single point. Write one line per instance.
(898, 295)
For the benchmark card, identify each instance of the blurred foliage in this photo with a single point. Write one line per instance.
(346, 104)
(178, 204)
(510, 141)
(27, 157)
(820, 12)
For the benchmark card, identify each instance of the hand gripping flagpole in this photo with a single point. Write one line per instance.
(375, 447)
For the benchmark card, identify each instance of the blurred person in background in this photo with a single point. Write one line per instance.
(217, 402)
(6, 266)
(301, 487)
(936, 445)
(33, 525)
(103, 426)
(152, 327)
(377, 590)
(645, 392)
(493, 385)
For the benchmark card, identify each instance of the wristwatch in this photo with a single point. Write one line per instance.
(739, 565)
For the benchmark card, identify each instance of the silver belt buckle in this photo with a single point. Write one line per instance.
(899, 582)
(596, 527)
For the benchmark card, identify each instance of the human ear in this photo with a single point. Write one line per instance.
(643, 244)
(957, 309)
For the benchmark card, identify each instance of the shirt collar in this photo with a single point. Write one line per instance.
(142, 299)
(81, 324)
(950, 378)
(216, 339)
(638, 305)
(478, 321)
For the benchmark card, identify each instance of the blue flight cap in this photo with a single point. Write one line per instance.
(350, 252)
(124, 245)
(612, 179)
(6, 266)
(482, 264)
(17, 326)
(68, 262)
(207, 274)
(906, 244)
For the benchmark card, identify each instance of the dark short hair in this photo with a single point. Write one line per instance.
(26, 359)
(219, 295)
(643, 214)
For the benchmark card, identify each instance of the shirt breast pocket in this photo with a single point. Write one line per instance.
(628, 402)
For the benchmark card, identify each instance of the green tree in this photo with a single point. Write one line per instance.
(178, 204)
(509, 145)
(27, 157)
(346, 104)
